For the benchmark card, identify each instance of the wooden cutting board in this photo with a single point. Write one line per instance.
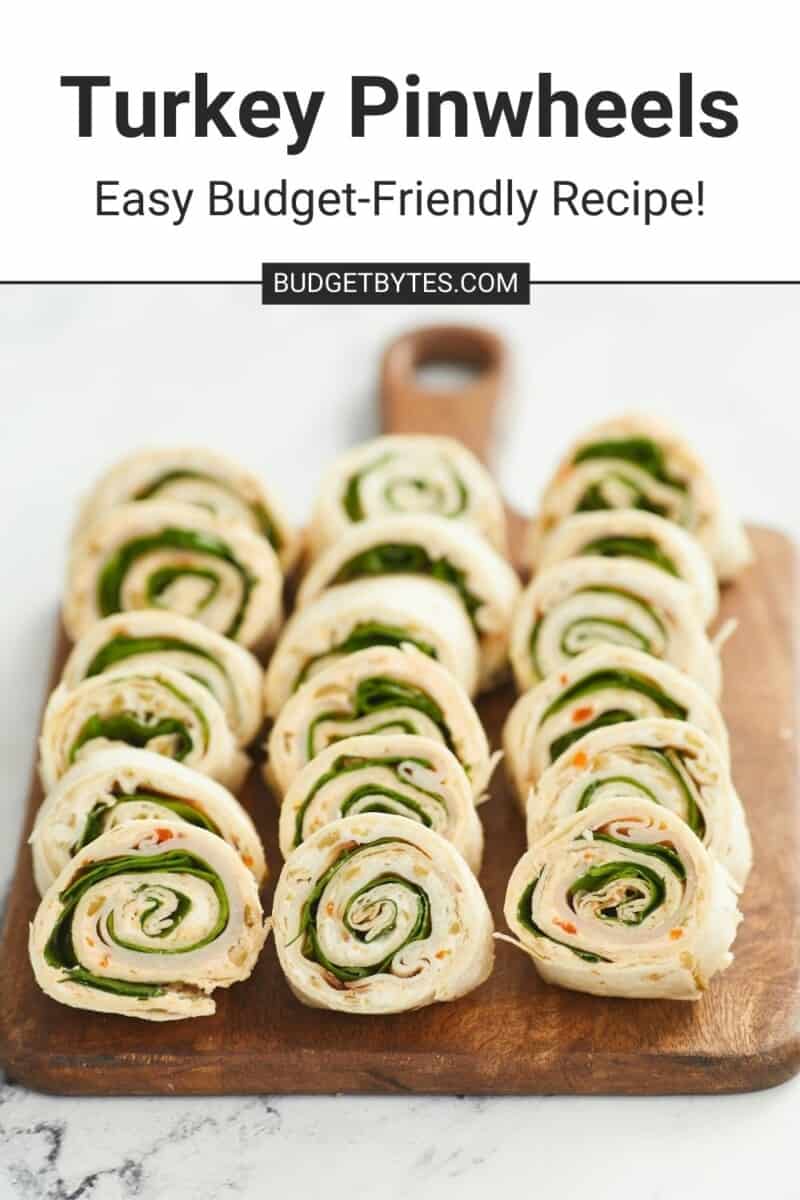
(514, 1035)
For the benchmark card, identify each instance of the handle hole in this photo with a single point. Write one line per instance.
(446, 375)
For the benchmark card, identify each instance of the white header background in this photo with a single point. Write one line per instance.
(286, 389)
(48, 229)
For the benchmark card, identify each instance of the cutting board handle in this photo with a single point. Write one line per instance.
(467, 412)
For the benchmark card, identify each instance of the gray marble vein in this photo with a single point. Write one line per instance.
(52, 1148)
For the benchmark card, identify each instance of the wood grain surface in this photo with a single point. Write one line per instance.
(514, 1034)
(466, 410)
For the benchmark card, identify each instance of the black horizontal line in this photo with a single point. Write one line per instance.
(533, 282)
(132, 282)
(666, 282)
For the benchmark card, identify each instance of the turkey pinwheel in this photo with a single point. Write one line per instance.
(146, 922)
(435, 548)
(603, 686)
(154, 638)
(412, 474)
(378, 690)
(669, 762)
(376, 914)
(636, 462)
(197, 476)
(584, 602)
(624, 900)
(114, 786)
(414, 777)
(633, 533)
(164, 554)
(372, 612)
(162, 710)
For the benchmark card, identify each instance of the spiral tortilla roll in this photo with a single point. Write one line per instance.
(173, 556)
(376, 914)
(372, 612)
(603, 686)
(114, 786)
(379, 690)
(435, 548)
(194, 475)
(146, 922)
(154, 638)
(412, 474)
(624, 900)
(634, 461)
(669, 762)
(414, 777)
(633, 533)
(585, 602)
(161, 710)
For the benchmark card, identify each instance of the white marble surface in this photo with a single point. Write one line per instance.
(85, 375)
